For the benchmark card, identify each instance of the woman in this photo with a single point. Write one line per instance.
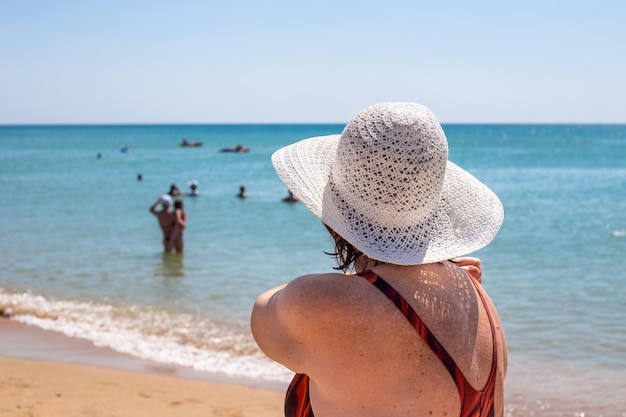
(181, 221)
(411, 333)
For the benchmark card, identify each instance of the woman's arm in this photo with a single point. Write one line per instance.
(153, 206)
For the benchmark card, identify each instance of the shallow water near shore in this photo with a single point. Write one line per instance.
(82, 254)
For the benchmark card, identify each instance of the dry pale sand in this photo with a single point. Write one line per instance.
(55, 389)
(37, 388)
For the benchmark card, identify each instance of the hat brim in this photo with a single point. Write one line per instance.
(467, 218)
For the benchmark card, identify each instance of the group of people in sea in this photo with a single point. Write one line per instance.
(193, 189)
(173, 223)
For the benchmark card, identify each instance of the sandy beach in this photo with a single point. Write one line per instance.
(47, 374)
(33, 387)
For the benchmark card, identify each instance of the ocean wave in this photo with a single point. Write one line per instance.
(166, 337)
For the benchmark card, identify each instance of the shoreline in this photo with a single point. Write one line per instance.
(24, 341)
(48, 373)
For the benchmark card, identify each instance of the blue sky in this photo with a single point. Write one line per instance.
(271, 61)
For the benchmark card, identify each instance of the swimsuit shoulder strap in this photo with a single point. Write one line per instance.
(473, 403)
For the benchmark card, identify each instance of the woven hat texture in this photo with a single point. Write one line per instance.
(386, 186)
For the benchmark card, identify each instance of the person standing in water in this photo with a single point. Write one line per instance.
(193, 188)
(181, 221)
(166, 219)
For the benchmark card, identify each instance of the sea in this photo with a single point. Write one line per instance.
(82, 255)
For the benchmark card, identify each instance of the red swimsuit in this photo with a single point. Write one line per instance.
(473, 403)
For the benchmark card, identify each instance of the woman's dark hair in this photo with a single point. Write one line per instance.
(345, 253)
(178, 203)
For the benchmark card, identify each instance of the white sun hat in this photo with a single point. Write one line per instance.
(386, 186)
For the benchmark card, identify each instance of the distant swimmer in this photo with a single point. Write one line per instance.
(242, 192)
(236, 149)
(125, 149)
(139, 177)
(167, 220)
(186, 143)
(193, 187)
(290, 198)
(174, 191)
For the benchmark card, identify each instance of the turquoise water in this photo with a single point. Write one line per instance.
(82, 255)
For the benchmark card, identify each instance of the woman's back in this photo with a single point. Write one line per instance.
(364, 358)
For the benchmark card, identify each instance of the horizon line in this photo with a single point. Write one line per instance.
(86, 124)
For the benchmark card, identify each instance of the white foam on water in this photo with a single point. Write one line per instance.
(165, 337)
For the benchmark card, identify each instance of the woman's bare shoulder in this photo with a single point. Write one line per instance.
(311, 291)
(290, 321)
